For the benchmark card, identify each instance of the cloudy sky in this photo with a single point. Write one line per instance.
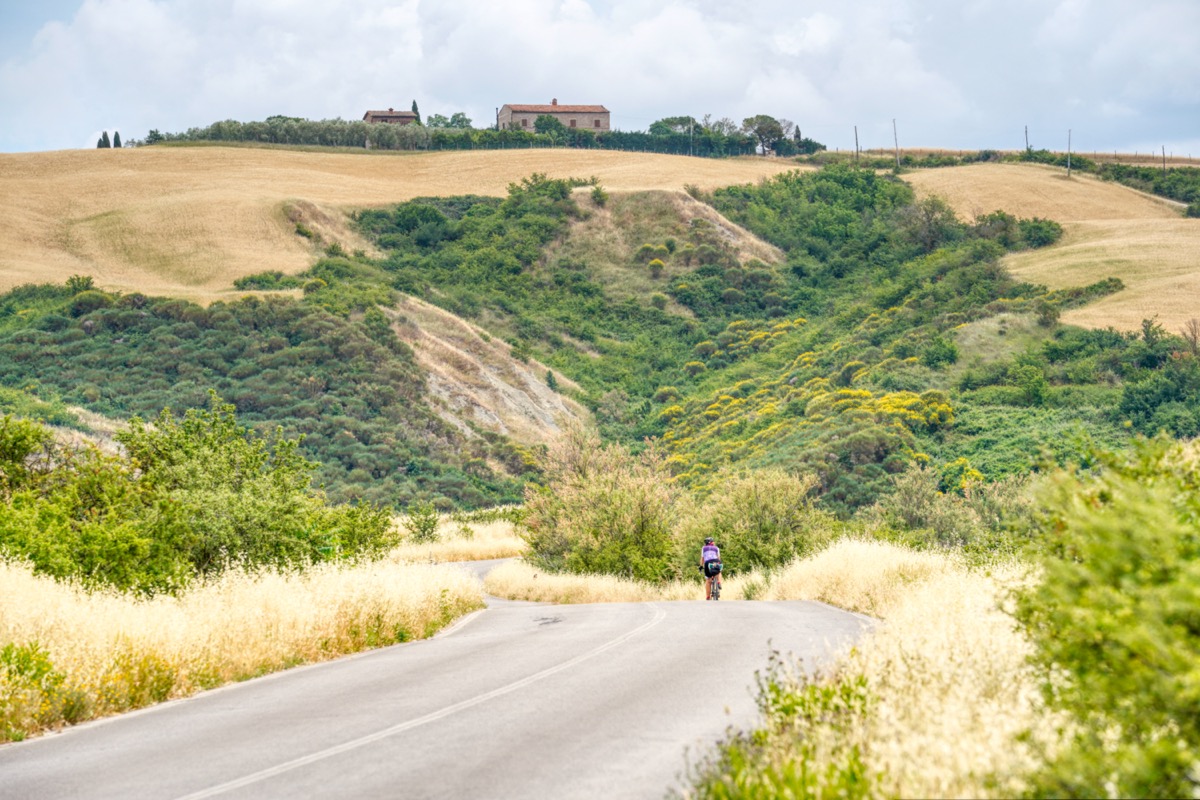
(963, 74)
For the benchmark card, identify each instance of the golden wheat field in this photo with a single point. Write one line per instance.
(187, 221)
(1109, 231)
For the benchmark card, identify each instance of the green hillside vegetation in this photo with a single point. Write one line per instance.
(881, 342)
(346, 385)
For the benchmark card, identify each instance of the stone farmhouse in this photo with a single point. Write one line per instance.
(522, 117)
(391, 116)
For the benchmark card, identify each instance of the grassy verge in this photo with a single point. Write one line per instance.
(932, 704)
(68, 655)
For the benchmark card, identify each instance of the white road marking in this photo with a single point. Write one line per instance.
(287, 766)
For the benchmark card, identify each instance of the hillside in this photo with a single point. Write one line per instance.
(824, 320)
(1110, 231)
(187, 221)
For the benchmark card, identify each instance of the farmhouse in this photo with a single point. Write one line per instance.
(390, 116)
(522, 117)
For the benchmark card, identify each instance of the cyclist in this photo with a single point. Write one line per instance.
(710, 562)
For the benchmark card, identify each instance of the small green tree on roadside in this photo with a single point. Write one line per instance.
(604, 510)
(1115, 620)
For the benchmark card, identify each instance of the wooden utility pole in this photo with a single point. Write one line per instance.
(1026, 137)
(856, 146)
(896, 141)
(1164, 160)
(1068, 152)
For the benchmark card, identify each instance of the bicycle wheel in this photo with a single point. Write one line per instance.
(716, 592)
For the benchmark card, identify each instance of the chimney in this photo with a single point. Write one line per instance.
(391, 110)
(554, 101)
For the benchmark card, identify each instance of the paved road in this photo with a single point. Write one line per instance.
(520, 700)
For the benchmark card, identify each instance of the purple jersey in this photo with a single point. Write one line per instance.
(710, 552)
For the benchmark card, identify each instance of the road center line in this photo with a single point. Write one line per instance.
(287, 766)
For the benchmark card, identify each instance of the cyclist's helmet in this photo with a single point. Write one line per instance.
(708, 540)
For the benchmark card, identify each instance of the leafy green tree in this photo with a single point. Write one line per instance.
(766, 129)
(549, 125)
(604, 510)
(930, 223)
(245, 497)
(761, 520)
(669, 125)
(457, 121)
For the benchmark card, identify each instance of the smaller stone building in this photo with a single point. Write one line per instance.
(391, 116)
(522, 117)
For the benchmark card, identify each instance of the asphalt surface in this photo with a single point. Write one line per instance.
(521, 700)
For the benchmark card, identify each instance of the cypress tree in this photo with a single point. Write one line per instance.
(104, 142)
(116, 139)
(418, 113)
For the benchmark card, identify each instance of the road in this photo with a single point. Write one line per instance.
(520, 700)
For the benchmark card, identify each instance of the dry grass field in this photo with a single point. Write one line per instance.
(188, 221)
(1109, 230)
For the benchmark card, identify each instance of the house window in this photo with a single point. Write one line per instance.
(597, 124)
(525, 123)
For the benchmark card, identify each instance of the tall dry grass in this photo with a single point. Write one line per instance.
(462, 542)
(517, 580)
(946, 672)
(67, 654)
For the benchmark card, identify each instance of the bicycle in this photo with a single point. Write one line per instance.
(714, 573)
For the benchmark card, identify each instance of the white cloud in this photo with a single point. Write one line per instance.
(954, 73)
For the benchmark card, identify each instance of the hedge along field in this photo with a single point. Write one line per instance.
(187, 221)
(1109, 231)
(69, 654)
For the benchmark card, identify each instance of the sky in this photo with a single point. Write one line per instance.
(1115, 75)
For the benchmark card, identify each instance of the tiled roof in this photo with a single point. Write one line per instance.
(557, 109)
(390, 113)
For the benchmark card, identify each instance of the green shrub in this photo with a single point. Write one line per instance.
(88, 301)
(1115, 625)
(245, 497)
(604, 510)
(762, 519)
(421, 522)
(1039, 232)
(791, 755)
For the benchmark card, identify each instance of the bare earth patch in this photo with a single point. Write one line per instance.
(476, 380)
(1110, 230)
(187, 221)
